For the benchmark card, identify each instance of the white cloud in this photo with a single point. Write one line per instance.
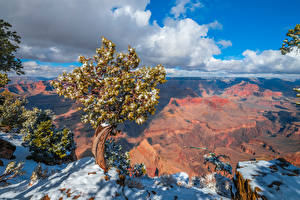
(141, 17)
(225, 43)
(179, 42)
(268, 61)
(182, 6)
(54, 33)
(32, 68)
(214, 25)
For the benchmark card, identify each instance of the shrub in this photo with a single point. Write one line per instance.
(47, 144)
(12, 170)
(33, 118)
(116, 158)
(38, 173)
(215, 182)
(11, 111)
(3, 80)
(219, 165)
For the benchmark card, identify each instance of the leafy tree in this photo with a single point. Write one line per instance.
(293, 41)
(9, 41)
(111, 89)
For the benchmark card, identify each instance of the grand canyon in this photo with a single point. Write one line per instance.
(243, 118)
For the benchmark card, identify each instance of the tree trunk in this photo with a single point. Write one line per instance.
(98, 147)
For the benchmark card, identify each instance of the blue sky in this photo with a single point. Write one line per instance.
(248, 24)
(189, 37)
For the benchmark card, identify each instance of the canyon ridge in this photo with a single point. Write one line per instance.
(243, 118)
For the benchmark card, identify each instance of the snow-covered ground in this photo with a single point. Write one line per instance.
(276, 179)
(84, 180)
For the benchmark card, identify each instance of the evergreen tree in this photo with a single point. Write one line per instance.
(111, 89)
(9, 41)
(46, 143)
(292, 42)
(11, 111)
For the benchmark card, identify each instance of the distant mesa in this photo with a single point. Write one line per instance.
(213, 101)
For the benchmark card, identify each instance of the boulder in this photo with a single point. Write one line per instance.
(266, 180)
(7, 149)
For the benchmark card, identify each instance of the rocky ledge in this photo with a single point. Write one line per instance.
(275, 179)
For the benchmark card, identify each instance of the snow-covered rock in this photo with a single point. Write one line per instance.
(272, 180)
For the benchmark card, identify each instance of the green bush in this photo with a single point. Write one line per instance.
(11, 111)
(33, 118)
(46, 143)
(116, 158)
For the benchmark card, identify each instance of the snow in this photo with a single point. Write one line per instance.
(83, 179)
(276, 179)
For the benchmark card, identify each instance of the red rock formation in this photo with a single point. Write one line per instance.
(272, 94)
(224, 125)
(234, 122)
(242, 89)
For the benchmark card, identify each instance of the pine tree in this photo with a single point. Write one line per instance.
(111, 89)
(46, 143)
(9, 41)
(293, 42)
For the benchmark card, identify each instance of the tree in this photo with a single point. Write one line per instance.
(9, 41)
(289, 45)
(3, 81)
(298, 94)
(294, 41)
(11, 111)
(111, 89)
(46, 143)
(8, 46)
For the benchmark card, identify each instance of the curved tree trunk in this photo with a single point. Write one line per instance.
(98, 147)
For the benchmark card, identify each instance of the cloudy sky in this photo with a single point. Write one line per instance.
(189, 37)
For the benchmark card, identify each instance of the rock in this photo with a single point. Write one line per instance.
(266, 180)
(7, 149)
